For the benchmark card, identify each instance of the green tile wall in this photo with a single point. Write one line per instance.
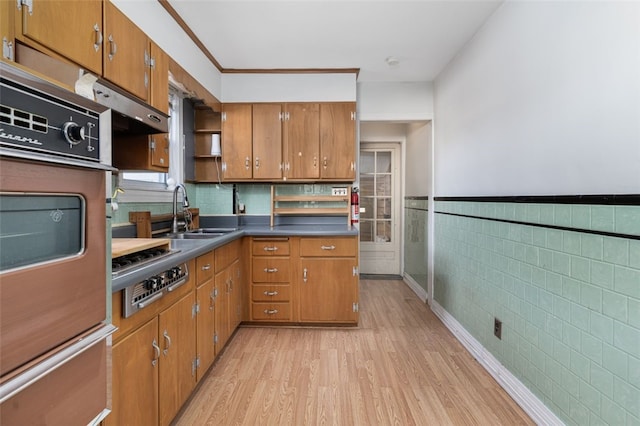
(569, 301)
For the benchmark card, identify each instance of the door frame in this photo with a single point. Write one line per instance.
(396, 146)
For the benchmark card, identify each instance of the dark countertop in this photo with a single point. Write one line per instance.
(189, 249)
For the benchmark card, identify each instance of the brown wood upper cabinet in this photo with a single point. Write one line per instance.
(132, 61)
(338, 141)
(72, 29)
(237, 142)
(7, 30)
(95, 35)
(301, 144)
(292, 141)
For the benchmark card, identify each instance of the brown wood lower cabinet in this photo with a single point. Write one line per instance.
(228, 292)
(304, 280)
(328, 279)
(154, 367)
(270, 280)
(161, 351)
(206, 301)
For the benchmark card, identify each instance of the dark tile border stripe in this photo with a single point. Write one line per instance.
(610, 199)
(542, 225)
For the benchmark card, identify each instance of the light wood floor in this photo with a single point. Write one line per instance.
(401, 366)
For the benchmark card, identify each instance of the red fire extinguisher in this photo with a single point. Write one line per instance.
(355, 206)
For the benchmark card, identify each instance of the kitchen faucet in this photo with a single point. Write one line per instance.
(185, 204)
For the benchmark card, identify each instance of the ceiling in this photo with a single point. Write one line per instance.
(423, 35)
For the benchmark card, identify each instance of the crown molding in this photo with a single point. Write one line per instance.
(176, 17)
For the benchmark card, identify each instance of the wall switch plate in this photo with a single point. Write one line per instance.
(342, 191)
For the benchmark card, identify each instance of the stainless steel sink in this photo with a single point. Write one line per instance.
(211, 231)
(200, 233)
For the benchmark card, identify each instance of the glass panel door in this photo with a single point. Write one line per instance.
(376, 191)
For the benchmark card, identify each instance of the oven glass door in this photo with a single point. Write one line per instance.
(37, 228)
(53, 271)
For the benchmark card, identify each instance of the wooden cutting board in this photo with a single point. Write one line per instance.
(122, 246)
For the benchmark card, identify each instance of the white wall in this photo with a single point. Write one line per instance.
(544, 100)
(418, 159)
(154, 20)
(382, 101)
(288, 87)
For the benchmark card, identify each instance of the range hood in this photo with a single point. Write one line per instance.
(129, 115)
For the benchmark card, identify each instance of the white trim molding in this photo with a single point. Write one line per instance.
(417, 288)
(530, 403)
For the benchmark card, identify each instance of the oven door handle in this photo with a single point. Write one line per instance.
(48, 366)
(172, 287)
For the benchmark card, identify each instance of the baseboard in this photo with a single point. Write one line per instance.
(526, 399)
(417, 288)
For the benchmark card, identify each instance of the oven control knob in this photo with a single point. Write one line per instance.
(73, 133)
(152, 283)
(174, 272)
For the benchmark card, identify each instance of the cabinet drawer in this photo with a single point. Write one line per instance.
(271, 311)
(204, 267)
(270, 247)
(227, 254)
(270, 293)
(329, 247)
(270, 270)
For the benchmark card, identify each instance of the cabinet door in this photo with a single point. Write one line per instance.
(328, 289)
(159, 79)
(235, 296)
(71, 28)
(159, 145)
(126, 53)
(222, 309)
(237, 152)
(206, 327)
(135, 378)
(7, 34)
(302, 141)
(338, 141)
(177, 330)
(267, 141)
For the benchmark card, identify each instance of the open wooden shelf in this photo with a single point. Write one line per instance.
(307, 210)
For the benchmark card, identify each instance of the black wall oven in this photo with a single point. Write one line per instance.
(54, 327)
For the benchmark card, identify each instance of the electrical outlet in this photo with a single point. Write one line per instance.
(497, 328)
(342, 191)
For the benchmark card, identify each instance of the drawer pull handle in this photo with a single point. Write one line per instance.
(270, 311)
(267, 248)
(328, 247)
(304, 275)
(271, 270)
(270, 293)
(206, 267)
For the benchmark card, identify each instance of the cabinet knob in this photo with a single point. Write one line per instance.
(304, 275)
(271, 270)
(267, 248)
(328, 247)
(270, 293)
(270, 311)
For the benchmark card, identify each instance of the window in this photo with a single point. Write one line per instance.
(141, 186)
